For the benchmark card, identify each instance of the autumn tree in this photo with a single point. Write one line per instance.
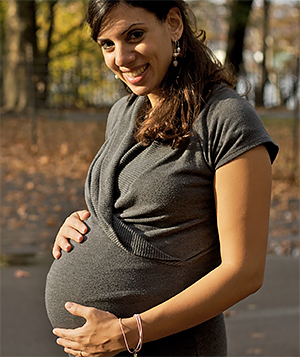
(264, 70)
(20, 43)
(2, 12)
(58, 60)
(240, 11)
(2, 38)
(25, 73)
(42, 57)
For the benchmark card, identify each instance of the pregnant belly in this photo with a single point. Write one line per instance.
(100, 274)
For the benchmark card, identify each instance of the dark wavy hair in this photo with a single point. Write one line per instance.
(185, 88)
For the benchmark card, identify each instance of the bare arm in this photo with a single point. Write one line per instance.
(242, 195)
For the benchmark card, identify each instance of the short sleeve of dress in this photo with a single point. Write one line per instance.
(229, 126)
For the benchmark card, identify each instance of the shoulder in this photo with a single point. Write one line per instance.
(228, 126)
(225, 104)
(225, 112)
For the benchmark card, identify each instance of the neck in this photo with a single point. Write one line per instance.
(153, 98)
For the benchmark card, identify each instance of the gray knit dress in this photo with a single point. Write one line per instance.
(153, 230)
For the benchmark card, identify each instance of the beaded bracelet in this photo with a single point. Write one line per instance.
(140, 330)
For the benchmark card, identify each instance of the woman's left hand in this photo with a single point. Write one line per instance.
(99, 336)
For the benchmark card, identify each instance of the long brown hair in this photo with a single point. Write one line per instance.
(185, 88)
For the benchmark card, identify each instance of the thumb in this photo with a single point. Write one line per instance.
(77, 309)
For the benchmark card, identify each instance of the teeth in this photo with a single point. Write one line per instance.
(137, 73)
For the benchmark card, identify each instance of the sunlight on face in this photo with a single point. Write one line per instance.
(137, 46)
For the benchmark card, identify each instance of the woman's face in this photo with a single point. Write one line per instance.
(137, 46)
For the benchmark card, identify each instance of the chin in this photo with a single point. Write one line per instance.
(139, 91)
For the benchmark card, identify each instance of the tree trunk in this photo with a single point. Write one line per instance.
(20, 40)
(264, 71)
(240, 12)
(42, 62)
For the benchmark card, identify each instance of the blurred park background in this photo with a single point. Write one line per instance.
(56, 93)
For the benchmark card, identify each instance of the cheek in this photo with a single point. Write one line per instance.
(165, 54)
(165, 60)
(109, 61)
(158, 53)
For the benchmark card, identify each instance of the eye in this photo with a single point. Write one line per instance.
(106, 45)
(135, 35)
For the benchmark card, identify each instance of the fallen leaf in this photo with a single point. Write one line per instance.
(57, 208)
(230, 313)
(30, 186)
(21, 274)
(50, 222)
(258, 335)
(254, 351)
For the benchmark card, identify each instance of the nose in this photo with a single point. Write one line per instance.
(124, 55)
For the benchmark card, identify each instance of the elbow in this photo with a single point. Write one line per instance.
(246, 279)
(256, 285)
(254, 281)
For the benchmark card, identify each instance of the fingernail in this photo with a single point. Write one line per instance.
(68, 305)
(68, 248)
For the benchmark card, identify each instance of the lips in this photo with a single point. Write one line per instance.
(137, 73)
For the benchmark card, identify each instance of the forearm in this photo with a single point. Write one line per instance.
(208, 297)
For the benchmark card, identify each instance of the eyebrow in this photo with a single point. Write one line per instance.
(126, 30)
(129, 27)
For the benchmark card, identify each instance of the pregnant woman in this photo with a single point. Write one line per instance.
(178, 197)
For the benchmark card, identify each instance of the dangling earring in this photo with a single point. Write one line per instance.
(116, 76)
(176, 53)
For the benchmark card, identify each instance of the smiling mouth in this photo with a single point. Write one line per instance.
(138, 72)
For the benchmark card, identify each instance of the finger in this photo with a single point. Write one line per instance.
(66, 233)
(77, 310)
(72, 352)
(63, 242)
(67, 335)
(75, 352)
(56, 251)
(83, 215)
(76, 223)
(68, 344)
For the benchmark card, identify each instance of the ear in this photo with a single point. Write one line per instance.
(175, 23)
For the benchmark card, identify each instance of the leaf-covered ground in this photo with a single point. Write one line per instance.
(42, 184)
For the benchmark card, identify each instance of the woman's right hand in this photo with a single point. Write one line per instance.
(72, 228)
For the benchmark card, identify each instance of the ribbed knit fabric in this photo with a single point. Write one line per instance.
(153, 230)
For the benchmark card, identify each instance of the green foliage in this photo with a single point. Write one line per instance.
(75, 59)
(76, 66)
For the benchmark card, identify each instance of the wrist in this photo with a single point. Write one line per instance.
(131, 331)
